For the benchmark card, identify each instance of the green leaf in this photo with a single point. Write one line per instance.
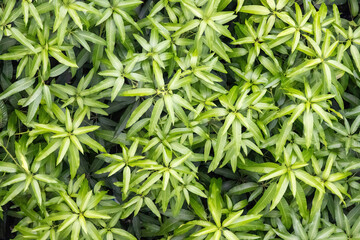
(187, 27)
(16, 87)
(243, 188)
(258, 167)
(304, 67)
(75, 142)
(12, 192)
(308, 127)
(45, 178)
(180, 160)
(123, 233)
(296, 113)
(150, 204)
(230, 235)
(8, 167)
(214, 200)
(117, 87)
(63, 149)
(339, 66)
(228, 121)
(281, 187)
(232, 217)
(73, 14)
(95, 214)
(275, 173)
(266, 198)
(83, 130)
(309, 180)
(70, 202)
(317, 28)
(150, 181)
(126, 179)
(244, 220)
(14, 179)
(50, 127)
(15, 33)
(73, 159)
(79, 117)
(13, 56)
(255, 9)
(196, 191)
(321, 113)
(67, 222)
(139, 111)
(75, 230)
(62, 58)
(50, 148)
(37, 191)
(91, 37)
(206, 231)
(283, 136)
(7, 11)
(219, 151)
(216, 112)
(36, 15)
(119, 22)
(159, 80)
(156, 114)
(139, 92)
(169, 107)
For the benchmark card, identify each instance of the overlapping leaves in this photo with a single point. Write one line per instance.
(123, 115)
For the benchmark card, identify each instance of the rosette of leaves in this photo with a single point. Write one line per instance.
(228, 225)
(83, 96)
(238, 110)
(24, 173)
(68, 137)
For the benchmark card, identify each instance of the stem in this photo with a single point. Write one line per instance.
(20, 133)
(8, 153)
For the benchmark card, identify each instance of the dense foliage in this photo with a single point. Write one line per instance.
(179, 119)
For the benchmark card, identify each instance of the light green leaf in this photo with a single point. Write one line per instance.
(123, 233)
(139, 92)
(215, 201)
(22, 39)
(266, 198)
(37, 191)
(187, 27)
(308, 127)
(275, 173)
(255, 9)
(150, 204)
(45, 178)
(230, 235)
(50, 148)
(62, 58)
(67, 222)
(321, 113)
(156, 114)
(309, 180)
(13, 192)
(339, 66)
(16, 87)
(8, 167)
(281, 188)
(232, 217)
(139, 111)
(149, 182)
(95, 214)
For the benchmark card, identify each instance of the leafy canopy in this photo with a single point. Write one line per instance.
(179, 119)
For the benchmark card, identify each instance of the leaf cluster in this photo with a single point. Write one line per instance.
(180, 119)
